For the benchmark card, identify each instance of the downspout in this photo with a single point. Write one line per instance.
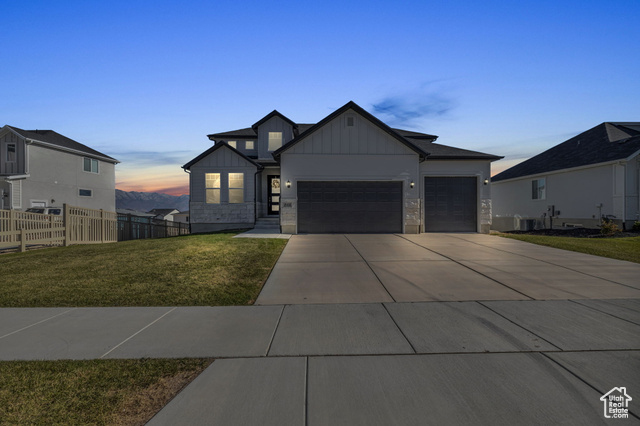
(189, 173)
(255, 198)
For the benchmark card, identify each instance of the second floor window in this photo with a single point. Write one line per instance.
(275, 140)
(232, 144)
(249, 145)
(11, 153)
(90, 165)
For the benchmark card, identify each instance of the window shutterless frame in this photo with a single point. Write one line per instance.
(212, 188)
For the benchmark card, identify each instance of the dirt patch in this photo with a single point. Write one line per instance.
(146, 403)
(575, 233)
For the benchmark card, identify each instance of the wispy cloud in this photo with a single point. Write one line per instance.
(431, 100)
(154, 158)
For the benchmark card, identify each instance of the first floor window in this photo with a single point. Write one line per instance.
(85, 192)
(212, 188)
(538, 189)
(275, 140)
(90, 165)
(236, 187)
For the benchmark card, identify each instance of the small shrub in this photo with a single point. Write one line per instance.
(636, 226)
(608, 227)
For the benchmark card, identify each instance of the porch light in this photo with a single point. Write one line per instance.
(288, 184)
(486, 181)
(412, 184)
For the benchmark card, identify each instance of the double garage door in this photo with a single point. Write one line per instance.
(450, 205)
(349, 207)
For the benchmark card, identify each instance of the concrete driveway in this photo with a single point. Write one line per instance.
(439, 267)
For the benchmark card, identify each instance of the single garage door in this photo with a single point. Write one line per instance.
(349, 207)
(450, 204)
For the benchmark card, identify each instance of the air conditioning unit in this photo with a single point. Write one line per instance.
(527, 224)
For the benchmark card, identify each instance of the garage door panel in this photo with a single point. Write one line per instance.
(450, 204)
(350, 207)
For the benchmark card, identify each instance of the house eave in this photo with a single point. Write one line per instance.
(568, 170)
(30, 141)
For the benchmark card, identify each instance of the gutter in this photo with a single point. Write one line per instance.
(73, 151)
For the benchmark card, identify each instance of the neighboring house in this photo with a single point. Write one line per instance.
(164, 214)
(40, 168)
(591, 175)
(350, 172)
(181, 217)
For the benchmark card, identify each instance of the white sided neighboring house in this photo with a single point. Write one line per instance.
(348, 173)
(592, 175)
(164, 214)
(41, 168)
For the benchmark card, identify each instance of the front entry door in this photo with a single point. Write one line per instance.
(274, 194)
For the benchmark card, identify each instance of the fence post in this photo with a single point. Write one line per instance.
(23, 240)
(66, 220)
(12, 226)
(102, 227)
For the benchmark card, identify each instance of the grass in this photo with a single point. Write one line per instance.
(120, 392)
(615, 248)
(194, 270)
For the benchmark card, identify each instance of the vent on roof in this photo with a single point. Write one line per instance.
(350, 120)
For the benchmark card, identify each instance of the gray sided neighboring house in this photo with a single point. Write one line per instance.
(594, 174)
(348, 173)
(44, 168)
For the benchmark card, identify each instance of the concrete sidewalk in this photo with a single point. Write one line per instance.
(536, 362)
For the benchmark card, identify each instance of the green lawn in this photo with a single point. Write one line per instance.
(615, 248)
(120, 392)
(204, 269)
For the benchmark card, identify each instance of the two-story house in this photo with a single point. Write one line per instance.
(349, 172)
(44, 168)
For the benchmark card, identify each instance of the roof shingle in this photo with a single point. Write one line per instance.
(608, 141)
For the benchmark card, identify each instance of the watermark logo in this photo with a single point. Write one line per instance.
(616, 403)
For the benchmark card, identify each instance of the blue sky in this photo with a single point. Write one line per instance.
(145, 81)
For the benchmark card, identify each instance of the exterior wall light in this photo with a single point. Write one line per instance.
(288, 184)
(486, 181)
(412, 184)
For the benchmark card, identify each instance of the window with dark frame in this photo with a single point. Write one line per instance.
(275, 140)
(11, 153)
(85, 192)
(538, 189)
(236, 188)
(90, 165)
(212, 188)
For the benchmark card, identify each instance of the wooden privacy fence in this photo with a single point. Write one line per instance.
(76, 225)
(132, 227)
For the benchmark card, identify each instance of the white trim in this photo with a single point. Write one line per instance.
(16, 177)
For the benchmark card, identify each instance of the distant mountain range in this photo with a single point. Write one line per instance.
(145, 201)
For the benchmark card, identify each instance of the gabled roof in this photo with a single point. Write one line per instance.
(609, 141)
(216, 147)
(247, 133)
(444, 152)
(272, 114)
(355, 107)
(53, 138)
